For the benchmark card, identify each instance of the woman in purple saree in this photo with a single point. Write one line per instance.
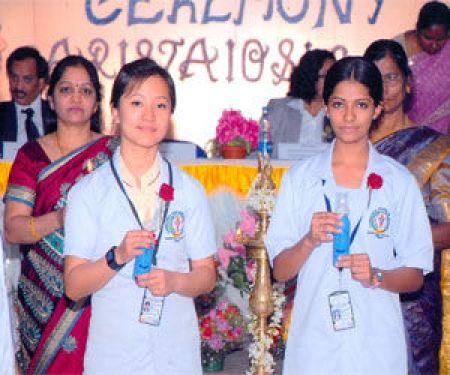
(52, 329)
(425, 152)
(429, 53)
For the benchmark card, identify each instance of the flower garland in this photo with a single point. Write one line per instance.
(259, 352)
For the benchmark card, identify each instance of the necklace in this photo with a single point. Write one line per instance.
(149, 184)
(61, 149)
(59, 145)
(154, 179)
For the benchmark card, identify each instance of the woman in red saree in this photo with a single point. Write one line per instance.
(52, 328)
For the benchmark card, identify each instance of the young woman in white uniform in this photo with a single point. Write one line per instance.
(6, 341)
(100, 217)
(362, 332)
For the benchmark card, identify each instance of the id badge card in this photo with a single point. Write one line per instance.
(341, 310)
(151, 309)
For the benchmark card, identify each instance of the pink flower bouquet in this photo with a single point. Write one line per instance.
(222, 327)
(239, 270)
(233, 129)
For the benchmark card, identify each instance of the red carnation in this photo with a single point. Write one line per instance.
(374, 181)
(166, 192)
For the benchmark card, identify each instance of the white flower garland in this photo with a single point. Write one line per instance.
(261, 198)
(259, 349)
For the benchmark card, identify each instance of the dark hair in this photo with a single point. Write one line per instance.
(305, 75)
(28, 52)
(433, 13)
(358, 69)
(386, 47)
(138, 71)
(58, 71)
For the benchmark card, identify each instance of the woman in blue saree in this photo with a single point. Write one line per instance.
(425, 152)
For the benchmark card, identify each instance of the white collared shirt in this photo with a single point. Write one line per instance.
(311, 129)
(143, 196)
(10, 148)
(98, 217)
(6, 343)
(394, 232)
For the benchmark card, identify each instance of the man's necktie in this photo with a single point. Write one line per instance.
(30, 126)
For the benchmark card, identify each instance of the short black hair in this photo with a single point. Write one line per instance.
(358, 69)
(138, 71)
(381, 48)
(58, 71)
(433, 13)
(305, 75)
(27, 52)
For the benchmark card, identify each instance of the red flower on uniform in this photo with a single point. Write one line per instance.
(166, 192)
(374, 181)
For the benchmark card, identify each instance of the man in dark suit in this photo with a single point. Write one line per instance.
(26, 116)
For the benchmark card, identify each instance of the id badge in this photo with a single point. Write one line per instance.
(151, 309)
(341, 310)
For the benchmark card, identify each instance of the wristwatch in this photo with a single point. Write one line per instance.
(377, 277)
(111, 259)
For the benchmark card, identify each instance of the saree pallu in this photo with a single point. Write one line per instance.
(52, 329)
(430, 90)
(426, 154)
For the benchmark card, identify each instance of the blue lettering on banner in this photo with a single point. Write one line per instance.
(296, 18)
(344, 17)
(100, 21)
(207, 17)
(134, 20)
(177, 4)
(236, 15)
(373, 19)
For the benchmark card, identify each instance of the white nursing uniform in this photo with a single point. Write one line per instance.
(6, 343)
(394, 232)
(98, 217)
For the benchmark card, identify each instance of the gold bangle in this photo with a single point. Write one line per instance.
(34, 233)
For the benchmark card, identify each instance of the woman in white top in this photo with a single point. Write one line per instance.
(299, 117)
(110, 210)
(346, 317)
(6, 345)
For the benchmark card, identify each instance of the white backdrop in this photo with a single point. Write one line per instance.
(221, 53)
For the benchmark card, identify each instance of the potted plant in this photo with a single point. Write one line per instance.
(222, 328)
(236, 136)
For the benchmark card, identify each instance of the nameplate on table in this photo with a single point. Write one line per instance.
(178, 151)
(296, 151)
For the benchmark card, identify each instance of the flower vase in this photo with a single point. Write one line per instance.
(213, 361)
(233, 152)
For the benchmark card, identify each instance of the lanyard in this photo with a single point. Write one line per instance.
(355, 229)
(133, 208)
